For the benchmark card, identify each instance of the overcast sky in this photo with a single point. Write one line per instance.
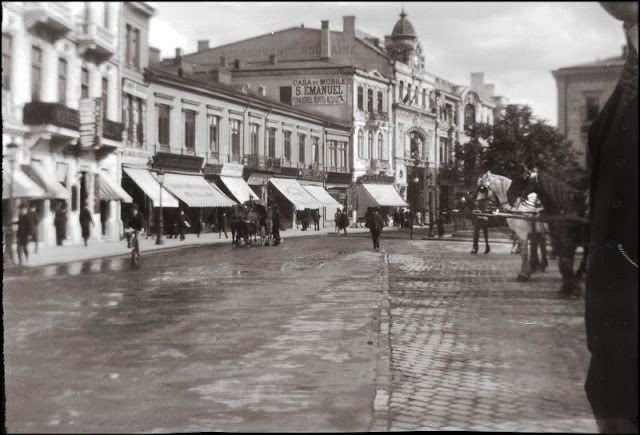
(516, 45)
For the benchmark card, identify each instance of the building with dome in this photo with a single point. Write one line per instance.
(405, 121)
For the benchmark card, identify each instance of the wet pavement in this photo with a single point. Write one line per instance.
(418, 336)
(196, 342)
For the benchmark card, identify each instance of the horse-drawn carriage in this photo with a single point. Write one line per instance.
(249, 222)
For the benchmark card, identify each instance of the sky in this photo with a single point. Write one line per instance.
(516, 44)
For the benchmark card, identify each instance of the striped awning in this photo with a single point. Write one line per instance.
(384, 195)
(21, 187)
(295, 193)
(322, 195)
(52, 188)
(108, 190)
(151, 187)
(238, 188)
(195, 191)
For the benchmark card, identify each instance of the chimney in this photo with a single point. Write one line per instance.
(325, 41)
(154, 55)
(349, 26)
(489, 91)
(203, 44)
(272, 59)
(237, 64)
(477, 81)
(221, 75)
(223, 61)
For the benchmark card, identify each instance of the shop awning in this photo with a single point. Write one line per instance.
(150, 186)
(384, 195)
(322, 195)
(195, 191)
(258, 179)
(52, 188)
(108, 190)
(239, 188)
(23, 186)
(295, 193)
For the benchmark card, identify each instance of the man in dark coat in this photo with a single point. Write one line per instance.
(612, 276)
(375, 224)
(32, 215)
(275, 225)
(60, 222)
(480, 223)
(23, 233)
(316, 220)
(86, 221)
(183, 224)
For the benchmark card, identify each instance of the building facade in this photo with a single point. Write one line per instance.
(61, 116)
(405, 121)
(582, 92)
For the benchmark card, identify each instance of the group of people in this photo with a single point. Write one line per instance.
(307, 216)
(341, 221)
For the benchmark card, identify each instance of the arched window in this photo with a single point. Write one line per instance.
(370, 100)
(370, 145)
(381, 154)
(360, 144)
(469, 116)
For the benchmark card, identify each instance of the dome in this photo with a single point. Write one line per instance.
(403, 28)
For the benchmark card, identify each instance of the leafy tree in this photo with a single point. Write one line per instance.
(518, 139)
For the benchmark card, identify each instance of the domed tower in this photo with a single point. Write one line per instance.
(403, 42)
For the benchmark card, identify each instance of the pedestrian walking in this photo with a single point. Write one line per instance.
(480, 223)
(223, 225)
(611, 313)
(275, 224)
(336, 220)
(135, 222)
(32, 214)
(375, 224)
(316, 220)
(344, 221)
(60, 223)
(86, 222)
(23, 233)
(183, 224)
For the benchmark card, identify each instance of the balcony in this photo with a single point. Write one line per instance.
(112, 130)
(59, 115)
(376, 119)
(235, 158)
(49, 18)
(256, 161)
(95, 43)
(337, 170)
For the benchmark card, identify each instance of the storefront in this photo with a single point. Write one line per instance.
(377, 195)
(290, 197)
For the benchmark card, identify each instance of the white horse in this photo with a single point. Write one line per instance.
(498, 185)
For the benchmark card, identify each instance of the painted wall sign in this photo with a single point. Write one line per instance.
(90, 111)
(329, 90)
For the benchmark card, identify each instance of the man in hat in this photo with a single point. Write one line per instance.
(612, 276)
(375, 225)
(23, 233)
(86, 221)
(32, 215)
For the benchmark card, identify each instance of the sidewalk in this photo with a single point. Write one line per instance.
(48, 255)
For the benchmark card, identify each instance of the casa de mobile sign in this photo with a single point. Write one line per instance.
(319, 91)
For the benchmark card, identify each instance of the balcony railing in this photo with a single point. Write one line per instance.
(54, 18)
(112, 130)
(378, 116)
(96, 42)
(256, 161)
(336, 169)
(38, 113)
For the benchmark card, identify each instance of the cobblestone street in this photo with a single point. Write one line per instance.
(472, 349)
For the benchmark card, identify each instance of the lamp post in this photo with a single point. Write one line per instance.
(160, 238)
(414, 182)
(11, 151)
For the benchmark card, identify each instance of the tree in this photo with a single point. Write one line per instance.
(468, 156)
(518, 139)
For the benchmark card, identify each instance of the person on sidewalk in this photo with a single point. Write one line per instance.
(480, 223)
(33, 226)
(86, 222)
(183, 224)
(223, 223)
(611, 314)
(375, 224)
(135, 222)
(316, 220)
(23, 233)
(344, 221)
(275, 223)
(336, 220)
(60, 223)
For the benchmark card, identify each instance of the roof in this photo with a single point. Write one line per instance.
(403, 27)
(611, 62)
(168, 73)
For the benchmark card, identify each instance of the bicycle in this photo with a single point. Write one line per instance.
(135, 247)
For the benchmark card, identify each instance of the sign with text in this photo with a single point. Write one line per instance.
(232, 169)
(90, 112)
(329, 90)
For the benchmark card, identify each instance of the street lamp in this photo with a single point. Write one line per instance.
(160, 238)
(11, 150)
(414, 182)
